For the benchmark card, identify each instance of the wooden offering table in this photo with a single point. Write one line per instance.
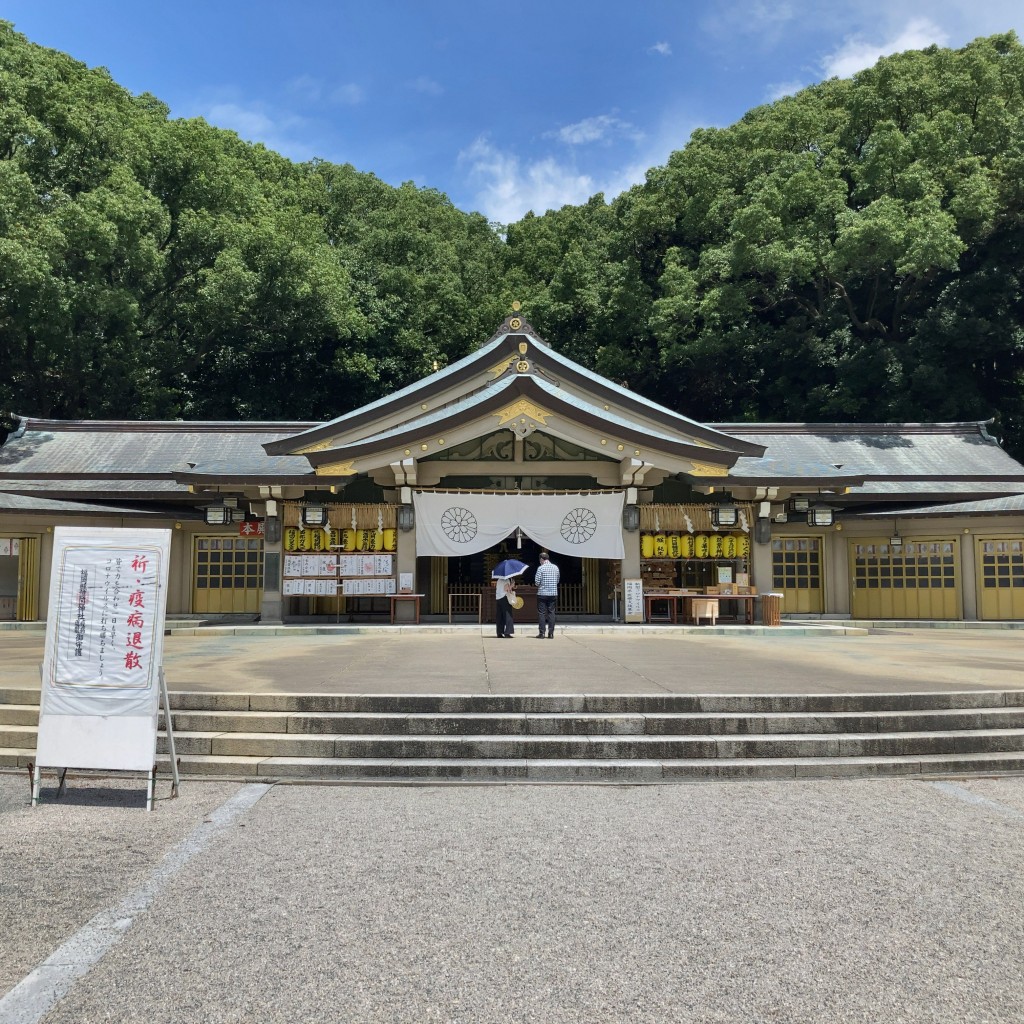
(693, 605)
(395, 598)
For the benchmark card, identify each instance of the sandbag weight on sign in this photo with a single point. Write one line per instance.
(647, 545)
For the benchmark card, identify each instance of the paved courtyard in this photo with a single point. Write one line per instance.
(466, 661)
(785, 902)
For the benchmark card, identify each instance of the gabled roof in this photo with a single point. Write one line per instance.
(517, 351)
(510, 387)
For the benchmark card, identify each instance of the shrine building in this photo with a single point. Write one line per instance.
(512, 450)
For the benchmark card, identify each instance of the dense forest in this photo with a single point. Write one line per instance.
(853, 252)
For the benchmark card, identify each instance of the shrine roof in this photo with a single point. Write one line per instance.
(133, 450)
(552, 399)
(893, 451)
(1012, 504)
(543, 362)
(16, 503)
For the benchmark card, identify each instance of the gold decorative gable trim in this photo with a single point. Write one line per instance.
(708, 469)
(522, 408)
(337, 469)
(499, 368)
(318, 447)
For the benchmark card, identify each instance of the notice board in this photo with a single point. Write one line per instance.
(633, 600)
(104, 649)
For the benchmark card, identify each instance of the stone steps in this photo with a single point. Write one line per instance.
(575, 737)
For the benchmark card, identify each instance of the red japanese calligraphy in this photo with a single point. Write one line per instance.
(139, 563)
(135, 619)
(134, 640)
(135, 599)
(131, 660)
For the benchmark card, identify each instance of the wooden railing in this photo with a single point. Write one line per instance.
(571, 598)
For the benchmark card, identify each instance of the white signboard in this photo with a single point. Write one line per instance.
(104, 648)
(632, 600)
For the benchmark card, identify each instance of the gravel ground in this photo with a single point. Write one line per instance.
(61, 862)
(740, 902)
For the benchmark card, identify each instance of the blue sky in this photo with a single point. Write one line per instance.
(505, 107)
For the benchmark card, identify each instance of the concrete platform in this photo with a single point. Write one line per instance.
(806, 659)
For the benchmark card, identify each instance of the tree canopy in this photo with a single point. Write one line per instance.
(852, 252)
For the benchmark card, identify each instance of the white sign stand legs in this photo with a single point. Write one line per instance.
(151, 776)
(169, 726)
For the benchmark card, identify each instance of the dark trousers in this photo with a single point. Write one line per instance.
(506, 627)
(546, 615)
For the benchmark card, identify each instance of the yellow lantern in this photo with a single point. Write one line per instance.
(647, 545)
(675, 545)
(686, 545)
(390, 540)
(700, 545)
(729, 546)
(660, 545)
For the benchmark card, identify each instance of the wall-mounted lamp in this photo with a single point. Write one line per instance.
(798, 504)
(820, 515)
(217, 515)
(724, 516)
(406, 518)
(314, 515)
(631, 518)
(896, 541)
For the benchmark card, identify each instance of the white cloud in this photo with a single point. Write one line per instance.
(277, 130)
(348, 95)
(507, 188)
(857, 53)
(307, 87)
(601, 128)
(662, 49)
(427, 86)
(776, 90)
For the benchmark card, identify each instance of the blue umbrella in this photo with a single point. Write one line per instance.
(508, 568)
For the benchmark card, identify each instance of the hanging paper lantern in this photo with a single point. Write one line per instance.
(687, 545)
(700, 545)
(390, 540)
(675, 545)
(729, 546)
(647, 545)
(660, 545)
(743, 546)
(714, 545)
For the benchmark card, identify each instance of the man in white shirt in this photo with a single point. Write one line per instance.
(546, 580)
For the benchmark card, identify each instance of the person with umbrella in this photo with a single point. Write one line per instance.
(505, 599)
